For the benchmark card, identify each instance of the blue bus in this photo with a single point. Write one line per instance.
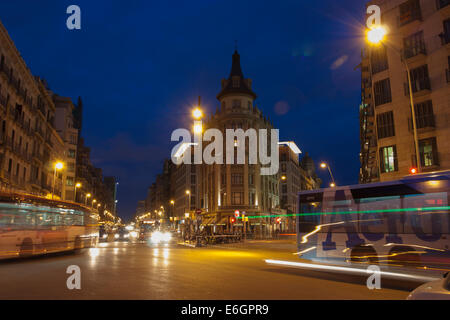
(397, 223)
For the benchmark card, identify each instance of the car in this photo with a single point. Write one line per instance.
(435, 290)
(122, 234)
(160, 237)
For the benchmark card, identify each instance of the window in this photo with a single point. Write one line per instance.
(251, 179)
(236, 179)
(382, 92)
(385, 125)
(445, 36)
(283, 167)
(24, 173)
(71, 167)
(414, 45)
(237, 197)
(284, 188)
(420, 79)
(9, 165)
(17, 169)
(428, 152)
(236, 104)
(69, 181)
(442, 3)
(409, 11)
(424, 114)
(236, 82)
(388, 159)
(252, 198)
(71, 153)
(379, 59)
(249, 105)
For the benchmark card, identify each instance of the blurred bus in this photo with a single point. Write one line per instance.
(396, 223)
(32, 225)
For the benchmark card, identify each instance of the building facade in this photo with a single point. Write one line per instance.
(30, 145)
(69, 134)
(210, 195)
(418, 38)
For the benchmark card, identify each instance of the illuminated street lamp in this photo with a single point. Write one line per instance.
(197, 113)
(88, 195)
(78, 185)
(58, 166)
(283, 177)
(324, 165)
(375, 36)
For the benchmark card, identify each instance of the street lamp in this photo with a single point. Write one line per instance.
(88, 195)
(375, 36)
(324, 165)
(78, 185)
(197, 113)
(93, 201)
(58, 166)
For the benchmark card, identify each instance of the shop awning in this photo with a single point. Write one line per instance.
(208, 221)
(223, 221)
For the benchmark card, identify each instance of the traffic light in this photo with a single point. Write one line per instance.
(232, 219)
(278, 220)
(413, 170)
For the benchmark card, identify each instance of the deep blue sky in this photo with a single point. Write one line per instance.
(140, 65)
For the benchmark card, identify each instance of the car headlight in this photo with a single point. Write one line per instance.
(166, 236)
(133, 234)
(156, 237)
(126, 235)
(116, 236)
(105, 236)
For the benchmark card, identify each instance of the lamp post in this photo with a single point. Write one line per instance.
(78, 185)
(375, 36)
(88, 195)
(58, 166)
(324, 165)
(172, 203)
(115, 198)
(92, 203)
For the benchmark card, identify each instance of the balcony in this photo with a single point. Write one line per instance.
(424, 122)
(440, 4)
(407, 18)
(411, 52)
(445, 38)
(422, 86)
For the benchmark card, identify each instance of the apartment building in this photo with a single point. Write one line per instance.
(30, 145)
(418, 39)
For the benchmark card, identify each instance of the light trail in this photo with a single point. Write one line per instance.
(348, 270)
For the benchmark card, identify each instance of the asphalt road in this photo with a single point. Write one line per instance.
(138, 271)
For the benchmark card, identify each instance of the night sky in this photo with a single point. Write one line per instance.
(139, 67)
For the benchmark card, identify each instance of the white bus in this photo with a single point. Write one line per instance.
(31, 225)
(396, 223)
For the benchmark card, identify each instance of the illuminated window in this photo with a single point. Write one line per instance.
(388, 159)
